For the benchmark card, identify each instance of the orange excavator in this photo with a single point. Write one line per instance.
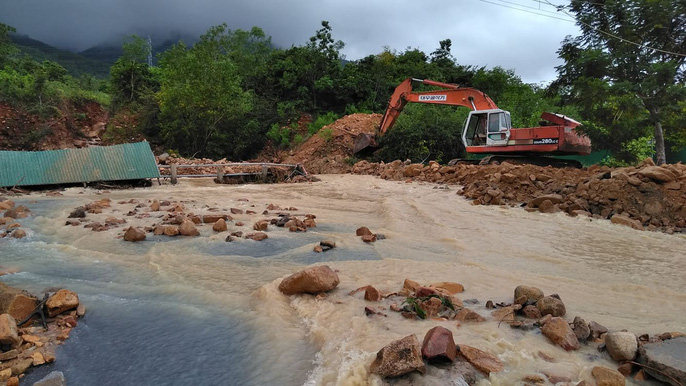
(488, 129)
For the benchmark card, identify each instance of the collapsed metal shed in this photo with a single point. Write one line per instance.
(131, 161)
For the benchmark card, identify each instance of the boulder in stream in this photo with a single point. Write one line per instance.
(312, 280)
(398, 358)
(666, 360)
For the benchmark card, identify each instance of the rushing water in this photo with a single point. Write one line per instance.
(204, 311)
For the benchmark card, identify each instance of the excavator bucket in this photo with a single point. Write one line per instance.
(364, 142)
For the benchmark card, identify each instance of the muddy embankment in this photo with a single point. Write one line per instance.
(643, 197)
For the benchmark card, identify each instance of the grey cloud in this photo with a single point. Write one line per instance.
(482, 34)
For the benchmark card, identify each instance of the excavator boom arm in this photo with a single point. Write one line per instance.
(452, 95)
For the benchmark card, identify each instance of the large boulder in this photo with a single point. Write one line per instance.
(220, 226)
(532, 294)
(482, 360)
(666, 360)
(19, 304)
(8, 331)
(553, 198)
(363, 231)
(63, 300)
(559, 332)
(187, 228)
(626, 221)
(551, 306)
(439, 345)
(134, 234)
(311, 280)
(581, 329)
(657, 174)
(622, 346)
(54, 378)
(607, 377)
(398, 358)
(452, 288)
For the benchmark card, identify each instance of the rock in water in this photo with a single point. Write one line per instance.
(134, 234)
(400, 357)
(624, 220)
(17, 303)
(8, 331)
(79, 212)
(452, 288)
(581, 329)
(220, 226)
(261, 225)
(187, 228)
(439, 345)
(62, 300)
(559, 332)
(362, 231)
(55, 378)
(311, 280)
(596, 330)
(532, 294)
(551, 306)
(622, 346)
(482, 360)
(154, 207)
(666, 360)
(372, 294)
(607, 377)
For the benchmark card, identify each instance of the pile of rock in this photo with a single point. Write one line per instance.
(9, 224)
(645, 196)
(23, 345)
(367, 236)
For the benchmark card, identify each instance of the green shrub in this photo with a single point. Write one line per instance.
(326, 134)
(321, 121)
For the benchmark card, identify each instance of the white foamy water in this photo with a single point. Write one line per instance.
(204, 311)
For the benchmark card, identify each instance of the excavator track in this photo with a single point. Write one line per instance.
(531, 160)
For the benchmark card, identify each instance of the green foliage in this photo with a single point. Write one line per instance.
(280, 136)
(352, 160)
(130, 77)
(326, 134)
(629, 82)
(321, 121)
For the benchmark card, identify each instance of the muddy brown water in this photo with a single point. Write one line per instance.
(200, 310)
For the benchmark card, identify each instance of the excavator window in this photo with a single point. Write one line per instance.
(476, 129)
(494, 123)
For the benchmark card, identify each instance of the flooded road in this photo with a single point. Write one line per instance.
(204, 311)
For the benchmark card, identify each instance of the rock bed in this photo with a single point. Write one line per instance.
(642, 197)
(644, 357)
(179, 218)
(27, 345)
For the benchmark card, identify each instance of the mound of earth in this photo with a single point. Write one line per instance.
(642, 196)
(76, 125)
(323, 153)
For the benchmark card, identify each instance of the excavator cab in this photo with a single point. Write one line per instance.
(487, 128)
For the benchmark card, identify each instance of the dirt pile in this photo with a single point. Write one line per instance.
(330, 150)
(643, 196)
(75, 126)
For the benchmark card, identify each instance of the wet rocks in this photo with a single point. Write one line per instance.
(398, 358)
(19, 304)
(213, 218)
(220, 226)
(622, 346)
(311, 280)
(666, 360)
(482, 360)
(467, 315)
(257, 236)
(626, 221)
(327, 245)
(368, 238)
(549, 305)
(532, 294)
(531, 312)
(439, 345)
(134, 234)
(187, 228)
(581, 329)
(79, 212)
(18, 234)
(54, 378)
(155, 206)
(452, 288)
(607, 377)
(261, 225)
(8, 331)
(559, 332)
(596, 330)
(63, 300)
(363, 231)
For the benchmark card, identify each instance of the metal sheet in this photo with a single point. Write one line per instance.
(129, 161)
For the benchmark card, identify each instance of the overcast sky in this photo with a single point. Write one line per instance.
(482, 33)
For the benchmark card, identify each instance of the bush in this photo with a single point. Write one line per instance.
(327, 135)
(321, 121)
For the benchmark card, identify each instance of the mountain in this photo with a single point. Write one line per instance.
(74, 63)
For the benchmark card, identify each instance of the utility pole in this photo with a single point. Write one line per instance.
(149, 51)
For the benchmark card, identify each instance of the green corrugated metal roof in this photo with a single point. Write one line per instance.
(130, 161)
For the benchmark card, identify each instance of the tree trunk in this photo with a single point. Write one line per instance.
(659, 137)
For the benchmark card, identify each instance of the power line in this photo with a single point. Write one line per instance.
(526, 6)
(527, 11)
(613, 35)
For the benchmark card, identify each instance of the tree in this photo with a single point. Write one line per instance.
(627, 69)
(202, 104)
(130, 76)
(7, 48)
